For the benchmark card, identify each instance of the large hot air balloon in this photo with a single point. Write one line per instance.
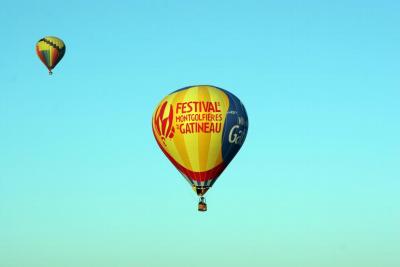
(200, 129)
(50, 50)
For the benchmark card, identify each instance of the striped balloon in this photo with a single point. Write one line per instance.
(200, 129)
(50, 50)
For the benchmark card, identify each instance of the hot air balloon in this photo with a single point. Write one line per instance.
(50, 50)
(200, 129)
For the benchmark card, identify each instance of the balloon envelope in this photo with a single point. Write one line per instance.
(200, 129)
(50, 51)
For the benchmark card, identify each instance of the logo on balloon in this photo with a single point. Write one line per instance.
(236, 135)
(163, 120)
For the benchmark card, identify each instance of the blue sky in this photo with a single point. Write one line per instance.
(83, 183)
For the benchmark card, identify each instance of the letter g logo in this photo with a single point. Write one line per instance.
(233, 136)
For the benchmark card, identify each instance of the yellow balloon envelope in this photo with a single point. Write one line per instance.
(200, 129)
(50, 51)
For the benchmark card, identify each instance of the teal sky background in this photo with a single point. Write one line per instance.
(316, 184)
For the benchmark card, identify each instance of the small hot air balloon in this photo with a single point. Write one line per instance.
(50, 50)
(200, 129)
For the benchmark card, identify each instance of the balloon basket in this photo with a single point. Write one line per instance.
(202, 205)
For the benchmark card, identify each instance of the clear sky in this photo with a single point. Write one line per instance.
(316, 184)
